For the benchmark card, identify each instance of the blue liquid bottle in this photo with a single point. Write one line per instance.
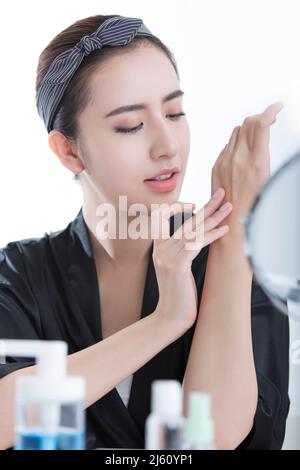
(49, 405)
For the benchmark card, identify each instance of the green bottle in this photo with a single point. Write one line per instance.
(198, 431)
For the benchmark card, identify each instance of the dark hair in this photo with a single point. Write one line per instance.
(77, 94)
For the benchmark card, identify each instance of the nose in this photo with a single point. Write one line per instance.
(165, 144)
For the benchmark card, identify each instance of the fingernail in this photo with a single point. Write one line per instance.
(280, 103)
(225, 207)
(217, 193)
(224, 228)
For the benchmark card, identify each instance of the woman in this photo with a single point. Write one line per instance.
(135, 309)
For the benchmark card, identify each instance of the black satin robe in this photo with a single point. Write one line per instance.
(49, 290)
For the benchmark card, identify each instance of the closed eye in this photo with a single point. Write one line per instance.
(135, 129)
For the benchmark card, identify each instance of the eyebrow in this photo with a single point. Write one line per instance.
(137, 107)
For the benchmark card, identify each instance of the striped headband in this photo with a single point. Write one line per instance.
(116, 31)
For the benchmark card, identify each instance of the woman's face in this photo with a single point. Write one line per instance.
(119, 162)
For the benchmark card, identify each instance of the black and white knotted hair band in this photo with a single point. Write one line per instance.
(116, 31)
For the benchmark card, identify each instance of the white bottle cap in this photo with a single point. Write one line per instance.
(50, 383)
(166, 397)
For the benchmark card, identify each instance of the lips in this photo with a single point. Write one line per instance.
(164, 172)
(163, 186)
(164, 177)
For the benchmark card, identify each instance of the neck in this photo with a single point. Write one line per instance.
(114, 239)
(109, 246)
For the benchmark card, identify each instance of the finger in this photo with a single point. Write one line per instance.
(166, 210)
(261, 139)
(209, 223)
(247, 130)
(261, 134)
(208, 238)
(160, 223)
(210, 207)
(233, 139)
(221, 155)
(214, 220)
(259, 121)
(269, 114)
(215, 234)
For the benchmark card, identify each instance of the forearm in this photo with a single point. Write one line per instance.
(221, 357)
(110, 361)
(103, 365)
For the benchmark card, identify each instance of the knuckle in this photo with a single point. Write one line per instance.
(217, 163)
(247, 120)
(214, 170)
(260, 123)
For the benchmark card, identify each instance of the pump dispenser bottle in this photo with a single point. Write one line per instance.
(163, 427)
(50, 404)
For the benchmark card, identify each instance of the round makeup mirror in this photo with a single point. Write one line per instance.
(272, 237)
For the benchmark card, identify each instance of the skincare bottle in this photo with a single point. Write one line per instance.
(198, 430)
(49, 404)
(163, 427)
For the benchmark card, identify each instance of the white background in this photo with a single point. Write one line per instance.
(234, 58)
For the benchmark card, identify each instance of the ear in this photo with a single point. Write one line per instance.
(64, 151)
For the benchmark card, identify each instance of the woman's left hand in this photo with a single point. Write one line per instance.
(243, 166)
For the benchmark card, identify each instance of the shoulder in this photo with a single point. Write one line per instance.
(23, 258)
(13, 258)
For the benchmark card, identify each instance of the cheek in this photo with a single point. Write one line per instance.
(119, 171)
(127, 158)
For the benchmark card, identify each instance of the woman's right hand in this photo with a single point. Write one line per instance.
(172, 258)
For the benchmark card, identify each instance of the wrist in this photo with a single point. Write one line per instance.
(230, 250)
(236, 226)
(170, 324)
